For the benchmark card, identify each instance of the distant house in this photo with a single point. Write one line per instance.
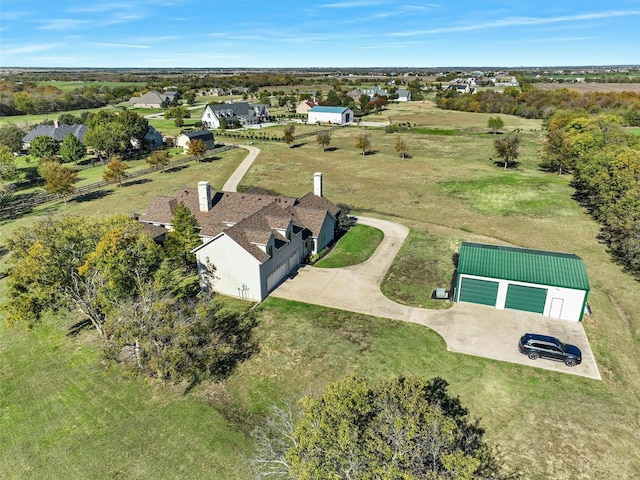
(56, 131)
(375, 91)
(152, 138)
(250, 241)
(154, 99)
(334, 115)
(306, 105)
(184, 139)
(403, 95)
(215, 92)
(356, 94)
(240, 113)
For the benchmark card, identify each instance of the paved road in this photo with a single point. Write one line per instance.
(466, 328)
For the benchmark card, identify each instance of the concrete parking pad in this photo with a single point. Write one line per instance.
(466, 328)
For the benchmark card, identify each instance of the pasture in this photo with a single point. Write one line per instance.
(64, 415)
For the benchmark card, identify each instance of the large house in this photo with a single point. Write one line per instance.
(250, 241)
(55, 131)
(155, 99)
(241, 114)
(334, 115)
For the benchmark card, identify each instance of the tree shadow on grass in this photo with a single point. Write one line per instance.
(210, 159)
(298, 145)
(176, 168)
(331, 149)
(140, 181)
(512, 165)
(87, 197)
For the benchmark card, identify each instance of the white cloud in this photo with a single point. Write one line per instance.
(118, 45)
(19, 50)
(62, 24)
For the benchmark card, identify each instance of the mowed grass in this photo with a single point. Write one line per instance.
(356, 246)
(548, 424)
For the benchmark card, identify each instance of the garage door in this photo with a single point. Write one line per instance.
(278, 274)
(483, 292)
(529, 299)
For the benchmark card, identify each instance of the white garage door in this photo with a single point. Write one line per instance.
(278, 274)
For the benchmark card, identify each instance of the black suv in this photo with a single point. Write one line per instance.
(534, 346)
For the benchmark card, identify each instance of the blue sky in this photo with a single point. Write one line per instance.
(310, 33)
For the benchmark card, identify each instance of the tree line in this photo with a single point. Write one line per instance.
(605, 163)
(532, 103)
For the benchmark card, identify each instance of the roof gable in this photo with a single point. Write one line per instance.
(524, 265)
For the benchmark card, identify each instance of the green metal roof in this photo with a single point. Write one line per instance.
(523, 265)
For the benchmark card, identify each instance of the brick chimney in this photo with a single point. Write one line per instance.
(317, 184)
(204, 196)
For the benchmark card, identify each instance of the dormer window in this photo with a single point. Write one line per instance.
(270, 251)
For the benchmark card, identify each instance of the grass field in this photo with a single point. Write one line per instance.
(354, 248)
(69, 86)
(62, 415)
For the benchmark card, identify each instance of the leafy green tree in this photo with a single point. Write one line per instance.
(108, 139)
(115, 171)
(135, 126)
(69, 119)
(197, 148)
(363, 142)
(8, 169)
(183, 236)
(171, 340)
(288, 135)
(173, 112)
(101, 117)
(363, 102)
(404, 428)
(59, 179)
(44, 257)
(178, 122)
(495, 124)
(402, 147)
(507, 148)
(333, 98)
(190, 97)
(159, 158)
(223, 124)
(11, 135)
(44, 146)
(72, 150)
(324, 139)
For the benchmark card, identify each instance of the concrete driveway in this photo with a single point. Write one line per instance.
(466, 328)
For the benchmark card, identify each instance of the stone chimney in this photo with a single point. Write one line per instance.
(204, 196)
(317, 184)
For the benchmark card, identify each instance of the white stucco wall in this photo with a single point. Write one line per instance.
(209, 119)
(326, 233)
(234, 267)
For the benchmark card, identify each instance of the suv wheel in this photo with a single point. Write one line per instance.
(533, 355)
(570, 362)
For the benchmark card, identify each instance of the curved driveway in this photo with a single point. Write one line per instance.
(466, 328)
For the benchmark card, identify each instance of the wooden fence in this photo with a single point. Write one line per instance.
(19, 206)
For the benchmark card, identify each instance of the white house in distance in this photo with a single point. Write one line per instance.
(184, 139)
(553, 284)
(252, 240)
(240, 113)
(334, 115)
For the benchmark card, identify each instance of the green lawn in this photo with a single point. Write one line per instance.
(62, 415)
(355, 247)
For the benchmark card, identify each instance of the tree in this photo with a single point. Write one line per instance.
(363, 142)
(183, 236)
(495, 124)
(59, 179)
(197, 148)
(44, 257)
(11, 135)
(108, 139)
(72, 149)
(135, 126)
(173, 112)
(179, 340)
(324, 139)
(407, 428)
(363, 102)
(68, 119)
(223, 124)
(44, 146)
(402, 147)
(190, 97)
(288, 135)
(115, 171)
(159, 158)
(8, 169)
(507, 148)
(178, 122)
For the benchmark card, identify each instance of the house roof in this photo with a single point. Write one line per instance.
(523, 265)
(248, 218)
(59, 133)
(154, 97)
(322, 109)
(205, 135)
